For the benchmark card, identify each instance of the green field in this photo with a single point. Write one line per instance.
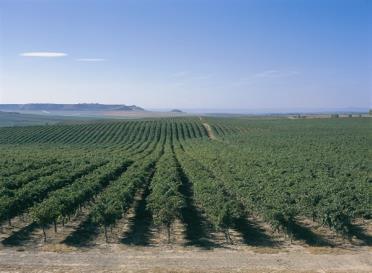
(14, 119)
(209, 174)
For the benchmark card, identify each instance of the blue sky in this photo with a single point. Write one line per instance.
(187, 54)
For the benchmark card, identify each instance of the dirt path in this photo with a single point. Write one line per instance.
(209, 129)
(116, 258)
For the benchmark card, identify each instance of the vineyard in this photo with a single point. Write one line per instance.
(209, 181)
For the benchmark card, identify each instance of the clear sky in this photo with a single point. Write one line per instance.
(187, 53)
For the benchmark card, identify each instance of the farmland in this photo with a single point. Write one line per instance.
(192, 183)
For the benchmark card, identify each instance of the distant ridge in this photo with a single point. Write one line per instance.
(176, 111)
(69, 107)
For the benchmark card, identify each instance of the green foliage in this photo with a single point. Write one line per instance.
(282, 169)
(117, 198)
(279, 169)
(63, 202)
(165, 201)
(221, 208)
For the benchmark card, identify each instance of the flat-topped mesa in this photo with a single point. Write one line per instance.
(69, 107)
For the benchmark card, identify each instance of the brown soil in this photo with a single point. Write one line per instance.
(117, 258)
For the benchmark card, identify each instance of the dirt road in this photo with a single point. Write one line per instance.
(152, 259)
(209, 131)
(208, 128)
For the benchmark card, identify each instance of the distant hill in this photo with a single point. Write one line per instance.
(176, 111)
(69, 107)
